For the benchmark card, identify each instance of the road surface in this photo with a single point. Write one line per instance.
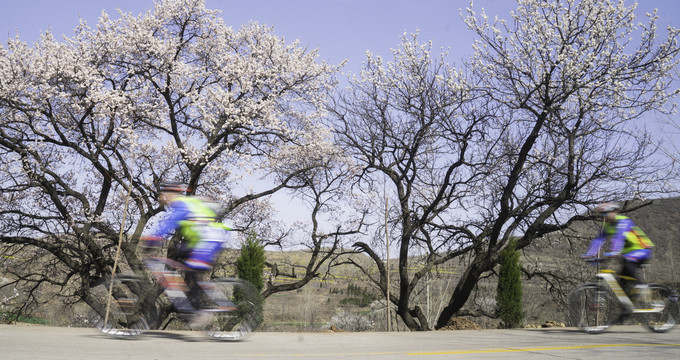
(21, 342)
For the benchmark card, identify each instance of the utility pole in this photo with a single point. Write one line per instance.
(387, 242)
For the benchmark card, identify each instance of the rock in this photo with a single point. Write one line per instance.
(460, 323)
(335, 329)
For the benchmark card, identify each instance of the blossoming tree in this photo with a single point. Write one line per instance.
(172, 94)
(540, 124)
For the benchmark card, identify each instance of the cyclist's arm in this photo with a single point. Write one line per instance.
(178, 212)
(619, 238)
(596, 245)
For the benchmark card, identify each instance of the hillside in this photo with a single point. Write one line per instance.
(661, 222)
(345, 299)
(555, 267)
(552, 270)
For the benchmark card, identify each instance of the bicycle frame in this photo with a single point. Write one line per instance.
(232, 306)
(593, 305)
(609, 278)
(164, 270)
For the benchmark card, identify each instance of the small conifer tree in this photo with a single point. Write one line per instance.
(509, 290)
(250, 263)
(250, 267)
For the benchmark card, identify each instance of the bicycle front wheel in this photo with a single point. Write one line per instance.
(591, 308)
(120, 314)
(664, 302)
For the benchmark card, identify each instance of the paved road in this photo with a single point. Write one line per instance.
(20, 342)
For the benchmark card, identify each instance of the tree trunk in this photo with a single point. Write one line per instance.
(462, 292)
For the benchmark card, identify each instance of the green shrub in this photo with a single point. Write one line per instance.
(509, 291)
(250, 263)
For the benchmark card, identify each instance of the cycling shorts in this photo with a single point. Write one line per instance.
(202, 256)
(638, 255)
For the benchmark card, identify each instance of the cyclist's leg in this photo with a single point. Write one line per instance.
(632, 262)
(179, 251)
(200, 260)
(198, 298)
(628, 274)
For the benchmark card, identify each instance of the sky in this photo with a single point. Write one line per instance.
(339, 29)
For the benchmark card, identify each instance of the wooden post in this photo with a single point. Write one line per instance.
(387, 242)
(115, 261)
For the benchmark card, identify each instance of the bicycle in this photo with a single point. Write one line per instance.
(235, 312)
(595, 306)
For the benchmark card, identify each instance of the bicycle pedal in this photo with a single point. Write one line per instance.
(220, 309)
(622, 318)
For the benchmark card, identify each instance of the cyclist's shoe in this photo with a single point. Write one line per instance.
(199, 320)
(625, 315)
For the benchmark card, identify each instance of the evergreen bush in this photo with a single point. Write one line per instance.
(509, 290)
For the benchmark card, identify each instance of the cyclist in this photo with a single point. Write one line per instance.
(203, 236)
(626, 240)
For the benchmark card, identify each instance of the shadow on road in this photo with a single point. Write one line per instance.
(151, 335)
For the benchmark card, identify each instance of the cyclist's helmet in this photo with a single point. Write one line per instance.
(606, 208)
(173, 186)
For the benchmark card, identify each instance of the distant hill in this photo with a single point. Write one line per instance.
(661, 222)
(553, 263)
(553, 267)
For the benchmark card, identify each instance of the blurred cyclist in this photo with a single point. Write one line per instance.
(626, 240)
(203, 236)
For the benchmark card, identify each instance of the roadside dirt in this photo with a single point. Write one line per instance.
(462, 324)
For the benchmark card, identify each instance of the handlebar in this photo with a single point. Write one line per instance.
(601, 259)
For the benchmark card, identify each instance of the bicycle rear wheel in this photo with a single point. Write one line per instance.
(125, 316)
(660, 297)
(238, 312)
(591, 308)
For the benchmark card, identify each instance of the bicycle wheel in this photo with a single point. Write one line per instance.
(660, 297)
(125, 316)
(239, 309)
(591, 308)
